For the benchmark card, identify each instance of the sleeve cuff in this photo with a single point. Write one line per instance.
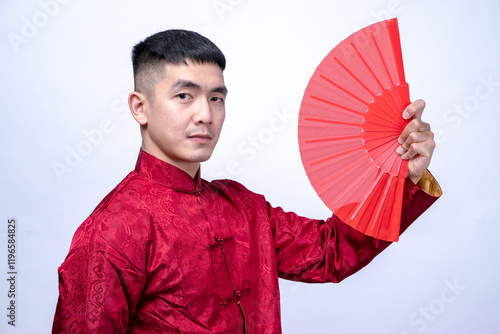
(430, 185)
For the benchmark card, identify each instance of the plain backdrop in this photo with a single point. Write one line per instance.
(65, 75)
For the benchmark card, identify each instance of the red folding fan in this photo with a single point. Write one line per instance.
(349, 124)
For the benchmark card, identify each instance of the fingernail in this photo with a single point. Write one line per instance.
(406, 115)
(401, 141)
(400, 150)
(404, 156)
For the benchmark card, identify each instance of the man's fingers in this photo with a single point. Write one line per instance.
(417, 143)
(416, 125)
(424, 149)
(414, 110)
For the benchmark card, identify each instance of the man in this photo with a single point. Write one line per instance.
(168, 252)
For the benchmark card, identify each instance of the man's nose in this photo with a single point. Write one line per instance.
(203, 112)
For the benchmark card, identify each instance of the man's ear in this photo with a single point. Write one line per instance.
(138, 104)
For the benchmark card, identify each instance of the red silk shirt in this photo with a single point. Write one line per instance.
(166, 253)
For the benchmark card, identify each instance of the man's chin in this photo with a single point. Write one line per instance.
(201, 157)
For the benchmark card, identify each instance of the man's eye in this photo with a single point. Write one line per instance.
(217, 99)
(183, 96)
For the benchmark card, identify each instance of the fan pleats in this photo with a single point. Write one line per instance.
(349, 123)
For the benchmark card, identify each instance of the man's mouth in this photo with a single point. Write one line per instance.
(200, 137)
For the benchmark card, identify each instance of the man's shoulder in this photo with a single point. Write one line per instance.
(229, 185)
(121, 211)
(128, 194)
(125, 203)
(235, 190)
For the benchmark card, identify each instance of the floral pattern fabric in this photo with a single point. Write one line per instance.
(166, 253)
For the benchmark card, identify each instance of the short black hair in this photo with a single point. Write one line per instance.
(174, 46)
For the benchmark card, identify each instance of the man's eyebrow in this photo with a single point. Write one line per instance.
(185, 84)
(190, 84)
(221, 89)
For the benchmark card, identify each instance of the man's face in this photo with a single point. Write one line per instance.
(185, 116)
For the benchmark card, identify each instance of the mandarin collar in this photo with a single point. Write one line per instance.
(166, 174)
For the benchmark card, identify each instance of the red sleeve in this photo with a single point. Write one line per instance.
(310, 250)
(101, 280)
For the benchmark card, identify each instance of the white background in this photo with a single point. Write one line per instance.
(66, 71)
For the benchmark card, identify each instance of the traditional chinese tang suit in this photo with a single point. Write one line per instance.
(166, 253)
